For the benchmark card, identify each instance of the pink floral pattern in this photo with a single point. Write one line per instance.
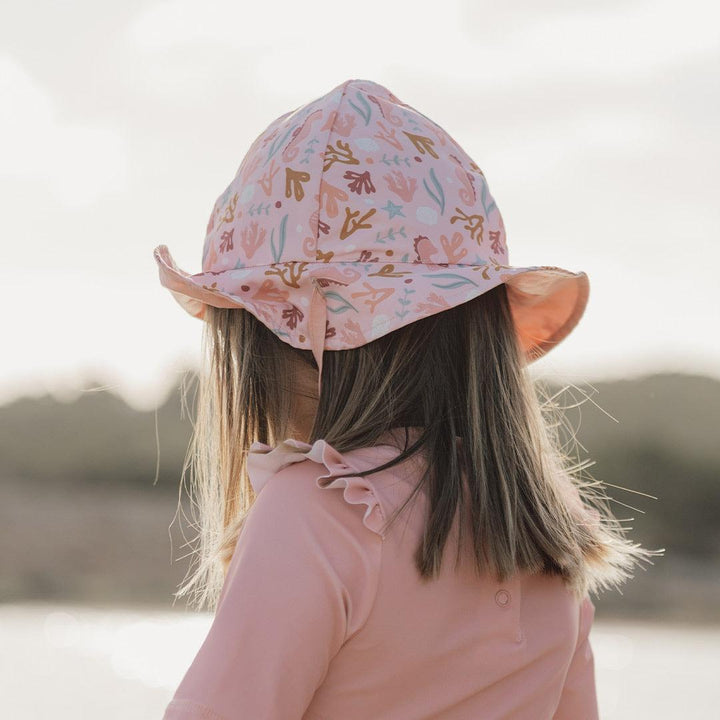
(364, 199)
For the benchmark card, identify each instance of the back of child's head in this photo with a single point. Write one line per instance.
(456, 374)
(356, 279)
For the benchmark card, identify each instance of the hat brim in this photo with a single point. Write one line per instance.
(546, 302)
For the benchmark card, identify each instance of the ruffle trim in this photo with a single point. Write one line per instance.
(264, 461)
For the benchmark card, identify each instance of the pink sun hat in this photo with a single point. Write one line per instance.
(354, 215)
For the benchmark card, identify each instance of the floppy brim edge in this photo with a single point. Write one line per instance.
(539, 298)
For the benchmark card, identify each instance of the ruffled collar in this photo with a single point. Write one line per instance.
(264, 461)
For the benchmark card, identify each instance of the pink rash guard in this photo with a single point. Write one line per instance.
(321, 617)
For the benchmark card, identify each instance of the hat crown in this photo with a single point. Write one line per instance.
(355, 215)
(352, 179)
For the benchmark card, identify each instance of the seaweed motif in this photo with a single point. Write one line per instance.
(277, 252)
(391, 235)
(459, 280)
(365, 112)
(439, 195)
(404, 301)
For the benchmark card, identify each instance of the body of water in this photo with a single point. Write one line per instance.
(80, 663)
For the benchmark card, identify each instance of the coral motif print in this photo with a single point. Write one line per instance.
(359, 204)
(293, 183)
(495, 242)
(453, 248)
(227, 242)
(330, 196)
(229, 213)
(289, 272)
(401, 185)
(269, 293)
(266, 179)
(252, 238)
(388, 135)
(373, 296)
(433, 303)
(351, 224)
(473, 223)
(293, 315)
(422, 144)
(342, 154)
(359, 182)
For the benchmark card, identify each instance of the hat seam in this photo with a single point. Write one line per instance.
(322, 165)
(548, 268)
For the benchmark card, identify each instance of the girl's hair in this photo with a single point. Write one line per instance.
(458, 373)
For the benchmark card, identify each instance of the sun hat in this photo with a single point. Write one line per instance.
(354, 215)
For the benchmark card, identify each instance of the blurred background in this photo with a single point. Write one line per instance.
(120, 123)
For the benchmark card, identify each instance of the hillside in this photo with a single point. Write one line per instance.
(89, 493)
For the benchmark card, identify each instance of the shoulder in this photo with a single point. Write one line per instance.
(322, 529)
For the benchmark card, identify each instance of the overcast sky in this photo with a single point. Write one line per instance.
(121, 122)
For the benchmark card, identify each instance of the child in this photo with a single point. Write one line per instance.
(389, 529)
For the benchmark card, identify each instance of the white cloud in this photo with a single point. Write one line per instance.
(619, 41)
(624, 41)
(314, 26)
(186, 46)
(79, 162)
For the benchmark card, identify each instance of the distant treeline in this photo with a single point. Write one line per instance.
(664, 441)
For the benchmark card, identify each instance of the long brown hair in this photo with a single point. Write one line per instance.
(456, 374)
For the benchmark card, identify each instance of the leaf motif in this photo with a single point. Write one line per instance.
(483, 196)
(439, 198)
(366, 111)
(343, 304)
(278, 142)
(277, 253)
(283, 224)
(460, 280)
(272, 244)
(441, 192)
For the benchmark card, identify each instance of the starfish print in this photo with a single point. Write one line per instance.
(393, 210)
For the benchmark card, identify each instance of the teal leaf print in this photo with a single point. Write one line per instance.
(342, 306)
(366, 111)
(438, 197)
(483, 197)
(459, 281)
(278, 143)
(404, 301)
(391, 235)
(258, 209)
(277, 254)
(309, 150)
(395, 160)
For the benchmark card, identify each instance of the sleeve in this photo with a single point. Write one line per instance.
(302, 578)
(578, 700)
